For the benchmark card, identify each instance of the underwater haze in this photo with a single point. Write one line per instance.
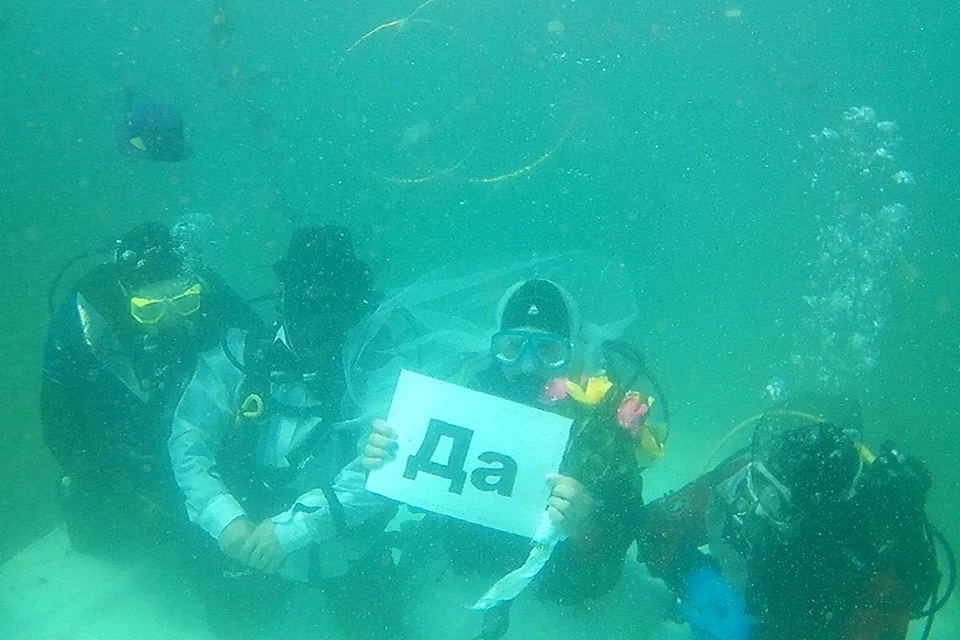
(781, 179)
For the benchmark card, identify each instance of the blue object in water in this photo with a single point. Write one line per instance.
(153, 131)
(713, 609)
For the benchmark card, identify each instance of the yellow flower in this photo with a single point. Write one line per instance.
(650, 447)
(592, 392)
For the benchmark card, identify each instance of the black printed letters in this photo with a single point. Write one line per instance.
(453, 469)
(505, 474)
(499, 478)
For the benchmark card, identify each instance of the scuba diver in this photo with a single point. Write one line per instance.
(119, 350)
(532, 354)
(267, 461)
(152, 131)
(811, 535)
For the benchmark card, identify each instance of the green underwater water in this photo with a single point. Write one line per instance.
(671, 134)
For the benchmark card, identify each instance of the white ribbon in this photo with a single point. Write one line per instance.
(512, 585)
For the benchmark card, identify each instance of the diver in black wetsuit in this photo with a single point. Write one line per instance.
(811, 535)
(119, 350)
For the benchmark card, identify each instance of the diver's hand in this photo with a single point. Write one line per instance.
(712, 608)
(262, 549)
(570, 506)
(234, 535)
(381, 446)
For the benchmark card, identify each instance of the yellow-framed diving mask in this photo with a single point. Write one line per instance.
(152, 310)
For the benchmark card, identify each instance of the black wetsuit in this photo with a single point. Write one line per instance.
(856, 570)
(107, 397)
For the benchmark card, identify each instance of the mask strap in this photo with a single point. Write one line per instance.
(762, 468)
(852, 491)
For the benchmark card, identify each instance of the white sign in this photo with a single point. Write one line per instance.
(470, 455)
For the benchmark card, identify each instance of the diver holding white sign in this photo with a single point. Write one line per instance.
(535, 357)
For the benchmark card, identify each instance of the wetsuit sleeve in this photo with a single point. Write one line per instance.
(592, 564)
(201, 422)
(673, 528)
(70, 426)
(881, 613)
(905, 576)
(888, 601)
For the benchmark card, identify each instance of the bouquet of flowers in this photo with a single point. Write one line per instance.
(612, 435)
(611, 440)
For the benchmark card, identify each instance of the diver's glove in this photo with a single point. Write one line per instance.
(712, 608)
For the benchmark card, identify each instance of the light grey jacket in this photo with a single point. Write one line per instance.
(206, 412)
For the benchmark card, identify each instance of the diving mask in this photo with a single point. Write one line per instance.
(151, 310)
(780, 504)
(772, 498)
(549, 350)
(752, 504)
